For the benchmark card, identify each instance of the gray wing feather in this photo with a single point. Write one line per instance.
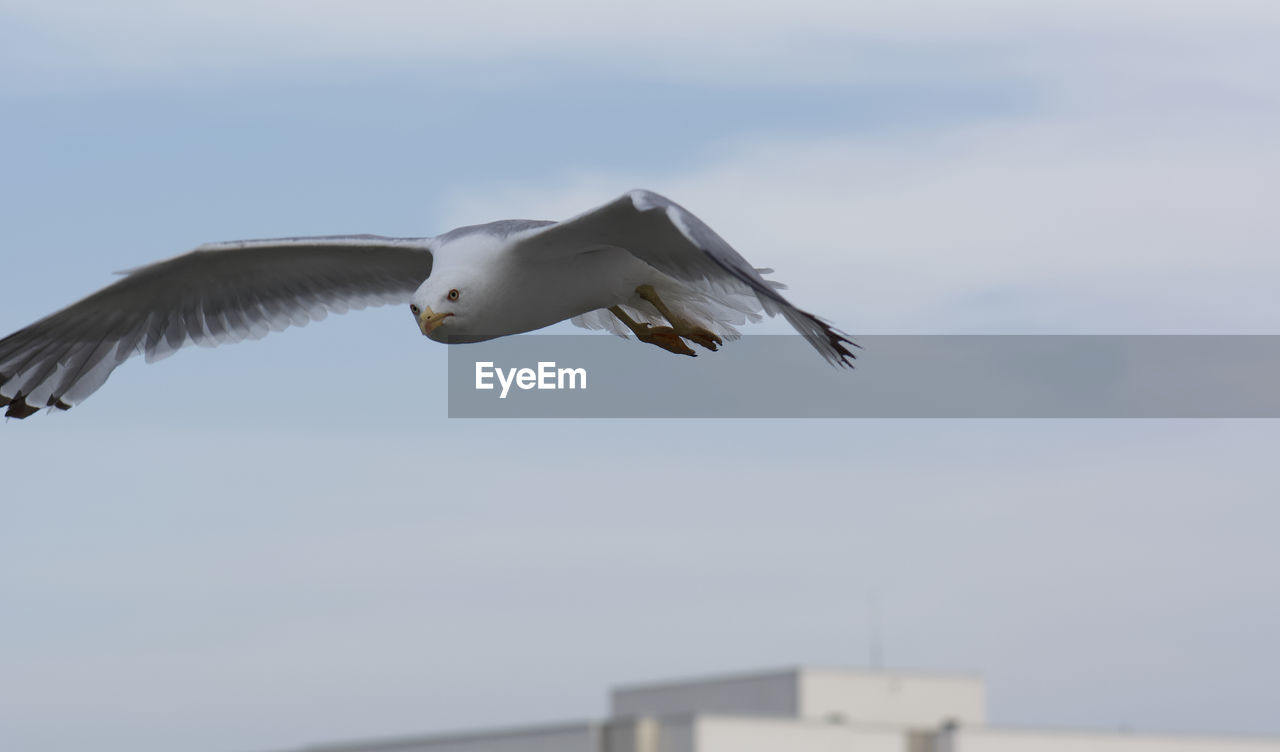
(667, 236)
(218, 293)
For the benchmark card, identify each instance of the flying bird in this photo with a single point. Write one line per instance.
(639, 265)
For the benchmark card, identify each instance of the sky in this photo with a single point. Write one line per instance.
(287, 541)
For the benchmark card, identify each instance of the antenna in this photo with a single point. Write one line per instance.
(875, 644)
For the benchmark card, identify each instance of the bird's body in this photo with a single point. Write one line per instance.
(625, 266)
(536, 292)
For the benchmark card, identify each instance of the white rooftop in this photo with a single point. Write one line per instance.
(804, 709)
(816, 693)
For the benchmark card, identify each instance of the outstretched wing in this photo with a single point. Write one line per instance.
(671, 239)
(218, 293)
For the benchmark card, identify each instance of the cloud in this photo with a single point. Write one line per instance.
(1102, 222)
(806, 40)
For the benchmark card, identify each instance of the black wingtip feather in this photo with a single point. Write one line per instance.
(58, 403)
(19, 408)
(845, 358)
(836, 340)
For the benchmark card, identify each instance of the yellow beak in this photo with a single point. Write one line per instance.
(428, 320)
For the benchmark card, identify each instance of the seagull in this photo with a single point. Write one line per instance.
(639, 265)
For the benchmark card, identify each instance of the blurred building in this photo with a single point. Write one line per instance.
(802, 710)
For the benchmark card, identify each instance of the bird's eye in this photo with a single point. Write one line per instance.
(415, 310)
(453, 294)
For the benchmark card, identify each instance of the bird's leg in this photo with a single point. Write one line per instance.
(682, 326)
(662, 336)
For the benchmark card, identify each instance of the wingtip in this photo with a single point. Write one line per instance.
(837, 352)
(844, 357)
(18, 407)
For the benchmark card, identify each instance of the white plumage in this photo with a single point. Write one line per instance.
(469, 284)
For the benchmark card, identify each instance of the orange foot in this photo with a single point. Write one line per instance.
(700, 335)
(666, 338)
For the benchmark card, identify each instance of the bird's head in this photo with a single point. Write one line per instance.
(439, 308)
(451, 306)
(458, 302)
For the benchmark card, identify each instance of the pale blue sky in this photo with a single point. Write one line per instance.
(286, 541)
